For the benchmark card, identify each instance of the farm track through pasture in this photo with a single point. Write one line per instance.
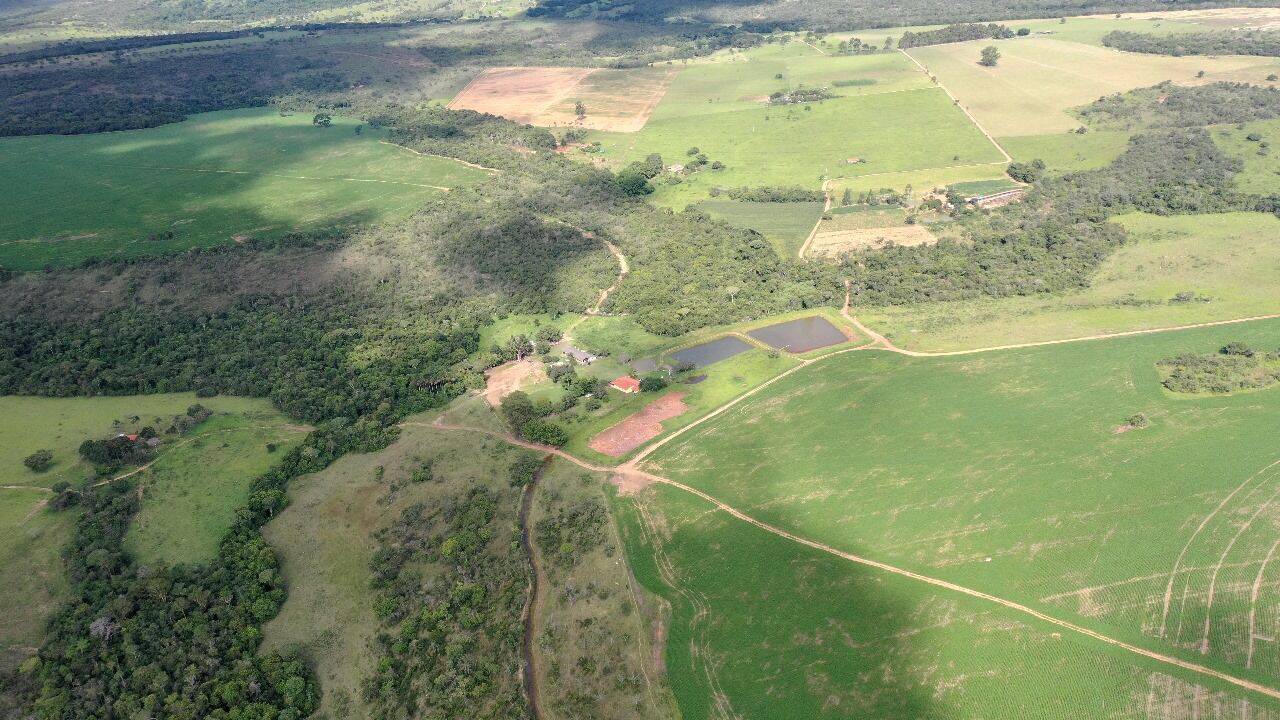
(529, 671)
(627, 475)
(1007, 157)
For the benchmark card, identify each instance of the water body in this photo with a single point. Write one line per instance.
(712, 352)
(801, 335)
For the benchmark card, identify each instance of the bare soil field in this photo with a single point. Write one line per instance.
(509, 377)
(614, 100)
(640, 427)
(835, 243)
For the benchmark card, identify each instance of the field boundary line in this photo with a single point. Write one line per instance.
(921, 170)
(629, 468)
(826, 208)
(1007, 157)
(277, 175)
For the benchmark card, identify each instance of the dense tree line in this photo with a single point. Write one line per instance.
(1057, 237)
(150, 91)
(1169, 105)
(954, 34)
(834, 15)
(449, 648)
(181, 642)
(1222, 42)
(791, 194)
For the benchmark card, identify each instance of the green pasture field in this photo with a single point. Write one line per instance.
(1066, 152)
(216, 178)
(32, 577)
(325, 543)
(1039, 79)
(1231, 262)
(1261, 172)
(718, 107)
(982, 187)
(61, 424)
(784, 225)
(764, 627)
(920, 181)
(1012, 473)
(191, 493)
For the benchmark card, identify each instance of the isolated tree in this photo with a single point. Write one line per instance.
(517, 408)
(847, 197)
(579, 110)
(322, 120)
(990, 56)
(38, 461)
(1023, 32)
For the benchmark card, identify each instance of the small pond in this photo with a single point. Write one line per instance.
(801, 335)
(711, 352)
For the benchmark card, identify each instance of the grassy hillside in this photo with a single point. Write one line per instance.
(214, 179)
(32, 576)
(1019, 473)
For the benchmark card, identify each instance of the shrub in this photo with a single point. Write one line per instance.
(544, 432)
(38, 461)
(652, 383)
(523, 470)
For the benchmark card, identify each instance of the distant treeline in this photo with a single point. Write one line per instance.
(1199, 43)
(954, 34)
(1169, 105)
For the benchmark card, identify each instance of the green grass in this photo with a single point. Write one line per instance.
(209, 180)
(1039, 79)
(1230, 261)
(1001, 472)
(920, 181)
(191, 493)
(784, 225)
(619, 334)
(1261, 172)
(1067, 151)
(716, 107)
(61, 424)
(982, 187)
(503, 329)
(32, 578)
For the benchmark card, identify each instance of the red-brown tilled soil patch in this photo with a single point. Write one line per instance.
(639, 427)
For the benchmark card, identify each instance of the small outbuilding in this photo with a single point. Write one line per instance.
(582, 356)
(626, 384)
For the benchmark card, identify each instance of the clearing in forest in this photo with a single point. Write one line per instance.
(838, 242)
(615, 100)
(999, 472)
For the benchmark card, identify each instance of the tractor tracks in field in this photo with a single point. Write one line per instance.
(630, 469)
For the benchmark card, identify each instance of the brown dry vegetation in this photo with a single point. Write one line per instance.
(615, 100)
(838, 242)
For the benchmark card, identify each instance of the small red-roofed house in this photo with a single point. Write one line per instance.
(626, 384)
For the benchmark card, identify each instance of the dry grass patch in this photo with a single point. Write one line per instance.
(838, 242)
(614, 100)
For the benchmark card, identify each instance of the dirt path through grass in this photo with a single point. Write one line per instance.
(1007, 157)
(529, 671)
(826, 208)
